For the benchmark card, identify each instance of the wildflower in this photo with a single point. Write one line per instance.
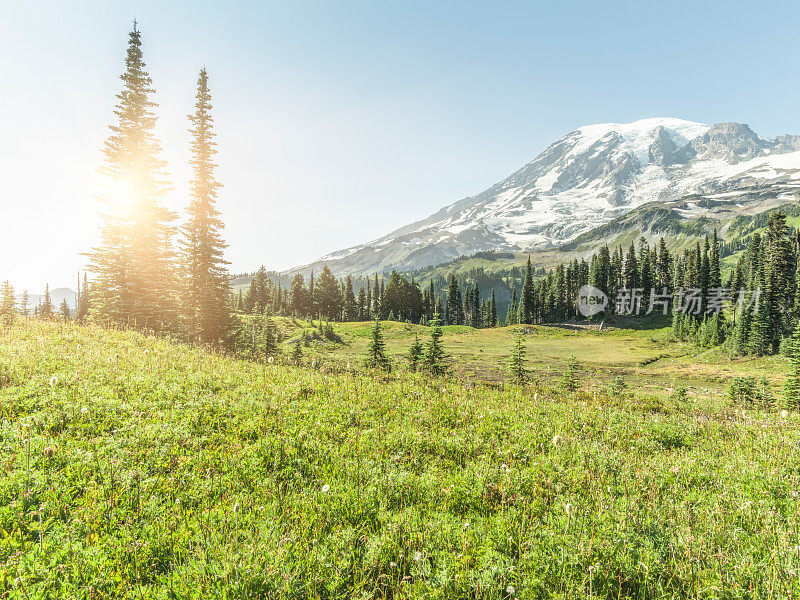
(236, 507)
(348, 366)
(784, 413)
(270, 359)
(53, 382)
(675, 469)
(84, 410)
(556, 440)
(326, 488)
(510, 590)
(466, 524)
(393, 565)
(568, 508)
(536, 395)
(417, 556)
(48, 452)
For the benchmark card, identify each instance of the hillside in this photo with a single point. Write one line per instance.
(137, 468)
(588, 178)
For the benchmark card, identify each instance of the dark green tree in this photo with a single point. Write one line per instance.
(376, 351)
(434, 357)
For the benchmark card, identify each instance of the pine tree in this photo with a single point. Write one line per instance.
(511, 313)
(455, 310)
(207, 283)
(631, 269)
(433, 359)
(269, 336)
(570, 380)
(516, 362)
(83, 304)
(328, 295)
(376, 352)
(46, 308)
(297, 353)
(134, 261)
(791, 393)
(8, 304)
(415, 353)
(492, 308)
(24, 307)
(526, 310)
(63, 310)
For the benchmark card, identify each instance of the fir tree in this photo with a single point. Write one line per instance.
(526, 310)
(296, 355)
(205, 305)
(83, 305)
(415, 353)
(433, 359)
(455, 310)
(8, 304)
(63, 310)
(516, 362)
(791, 393)
(570, 380)
(376, 352)
(136, 279)
(24, 305)
(46, 308)
(491, 321)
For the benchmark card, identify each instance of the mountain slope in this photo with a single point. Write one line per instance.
(588, 178)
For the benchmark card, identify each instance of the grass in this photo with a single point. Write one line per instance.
(649, 360)
(137, 468)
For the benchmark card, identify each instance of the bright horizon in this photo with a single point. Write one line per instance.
(338, 124)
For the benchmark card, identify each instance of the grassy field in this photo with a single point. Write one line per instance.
(137, 468)
(648, 360)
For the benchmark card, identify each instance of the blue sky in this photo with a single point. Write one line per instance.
(339, 121)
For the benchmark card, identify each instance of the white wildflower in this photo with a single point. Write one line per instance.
(236, 507)
(784, 413)
(568, 508)
(326, 488)
(53, 382)
(270, 359)
(556, 440)
(510, 590)
(84, 410)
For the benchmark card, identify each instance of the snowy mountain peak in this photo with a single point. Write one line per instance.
(587, 178)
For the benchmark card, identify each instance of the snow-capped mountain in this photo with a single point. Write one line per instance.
(587, 178)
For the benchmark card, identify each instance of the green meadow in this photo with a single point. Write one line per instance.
(132, 467)
(647, 359)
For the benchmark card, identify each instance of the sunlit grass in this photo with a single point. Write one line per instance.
(149, 469)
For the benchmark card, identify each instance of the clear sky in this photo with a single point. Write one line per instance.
(340, 121)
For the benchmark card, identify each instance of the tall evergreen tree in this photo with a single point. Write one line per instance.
(205, 306)
(527, 301)
(136, 279)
